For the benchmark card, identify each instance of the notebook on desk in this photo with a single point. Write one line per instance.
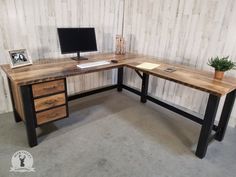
(147, 65)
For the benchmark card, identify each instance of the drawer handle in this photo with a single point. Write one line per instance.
(49, 88)
(49, 102)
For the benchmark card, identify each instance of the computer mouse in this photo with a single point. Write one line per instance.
(114, 61)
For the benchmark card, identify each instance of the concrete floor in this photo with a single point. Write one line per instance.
(114, 135)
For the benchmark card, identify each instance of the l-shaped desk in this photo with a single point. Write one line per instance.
(39, 92)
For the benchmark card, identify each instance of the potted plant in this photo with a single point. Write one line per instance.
(221, 65)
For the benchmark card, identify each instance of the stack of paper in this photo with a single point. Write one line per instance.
(147, 65)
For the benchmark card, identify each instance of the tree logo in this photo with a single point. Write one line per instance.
(22, 161)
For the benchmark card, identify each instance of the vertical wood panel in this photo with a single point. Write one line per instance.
(32, 24)
(184, 31)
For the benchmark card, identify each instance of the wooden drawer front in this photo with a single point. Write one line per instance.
(49, 101)
(48, 88)
(50, 115)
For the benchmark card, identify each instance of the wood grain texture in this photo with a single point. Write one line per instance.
(188, 76)
(184, 32)
(18, 99)
(184, 75)
(49, 102)
(47, 88)
(32, 24)
(50, 115)
(47, 70)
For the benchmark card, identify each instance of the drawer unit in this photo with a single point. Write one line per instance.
(50, 101)
(47, 88)
(51, 114)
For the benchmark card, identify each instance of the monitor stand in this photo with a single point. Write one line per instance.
(78, 57)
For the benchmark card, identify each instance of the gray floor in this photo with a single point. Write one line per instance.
(113, 134)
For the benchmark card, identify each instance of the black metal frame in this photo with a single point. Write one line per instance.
(170, 107)
(30, 119)
(95, 91)
(209, 117)
(207, 123)
(225, 115)
(120, 72)
(29, 110)
(144, 88)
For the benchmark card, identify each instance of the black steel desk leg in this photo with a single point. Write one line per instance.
(16, 115)
(28, 105)
(120, 79)
(225, 115)
(208, 122)
(144, 89)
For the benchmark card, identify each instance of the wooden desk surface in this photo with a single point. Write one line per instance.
(201, 80)
(45, 70)
(50, 69)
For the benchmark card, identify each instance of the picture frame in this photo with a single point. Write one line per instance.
(19, 58)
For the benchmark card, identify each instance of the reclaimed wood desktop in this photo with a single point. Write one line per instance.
(39, 93)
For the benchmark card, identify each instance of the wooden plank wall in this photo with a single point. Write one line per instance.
(184, 31)
(32, 24)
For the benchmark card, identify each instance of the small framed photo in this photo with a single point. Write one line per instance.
(19, 58)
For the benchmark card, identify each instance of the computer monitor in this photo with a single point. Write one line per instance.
(76, 40)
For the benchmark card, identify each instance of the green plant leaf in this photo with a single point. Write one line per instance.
(221, 64)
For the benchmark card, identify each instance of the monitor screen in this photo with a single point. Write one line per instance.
(74, 40)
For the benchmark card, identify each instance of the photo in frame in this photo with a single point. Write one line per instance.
(19, 58)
